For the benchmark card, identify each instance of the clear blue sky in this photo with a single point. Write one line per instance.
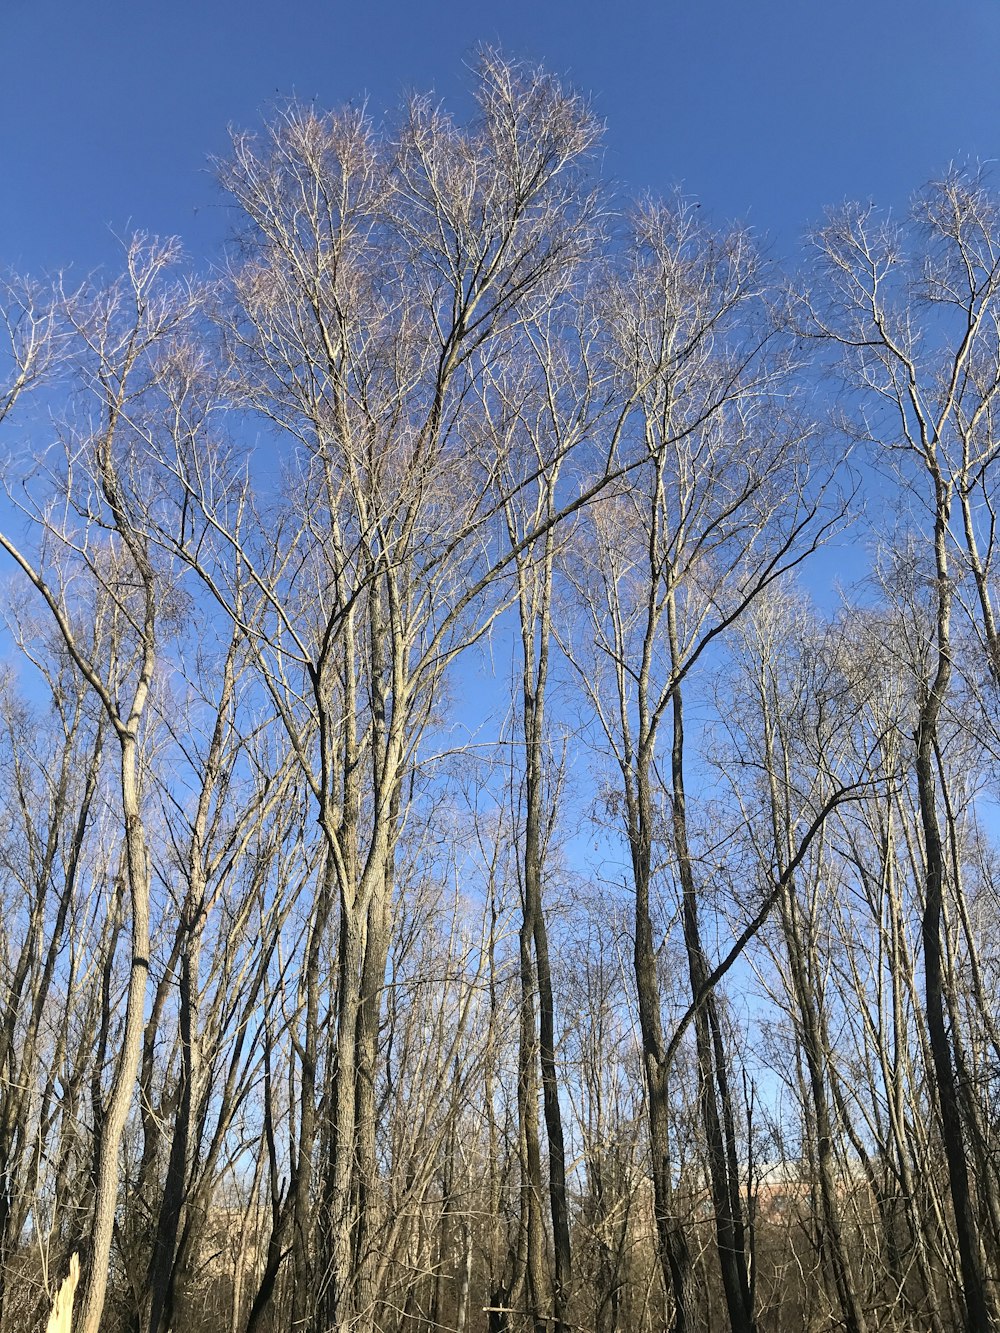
(764, 111)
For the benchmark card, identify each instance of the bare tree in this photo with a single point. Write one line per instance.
(374, 279)
(913, 310)
(719, 510)
(97, 539)
(789, 707)
(545, 404)
(315, 1015)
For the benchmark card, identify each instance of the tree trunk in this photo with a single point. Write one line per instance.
(714, 1092)
(978, 1311)
(672, 1249)
(106, 1188)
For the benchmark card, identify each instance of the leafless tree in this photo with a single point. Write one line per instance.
(545, 404)
(720, 509)
(913, 310)
(315, 1014)
(94, 536)
(373, 279)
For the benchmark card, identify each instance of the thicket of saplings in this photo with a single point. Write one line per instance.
(454, 875)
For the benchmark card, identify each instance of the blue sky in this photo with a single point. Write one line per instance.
(765, 112)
